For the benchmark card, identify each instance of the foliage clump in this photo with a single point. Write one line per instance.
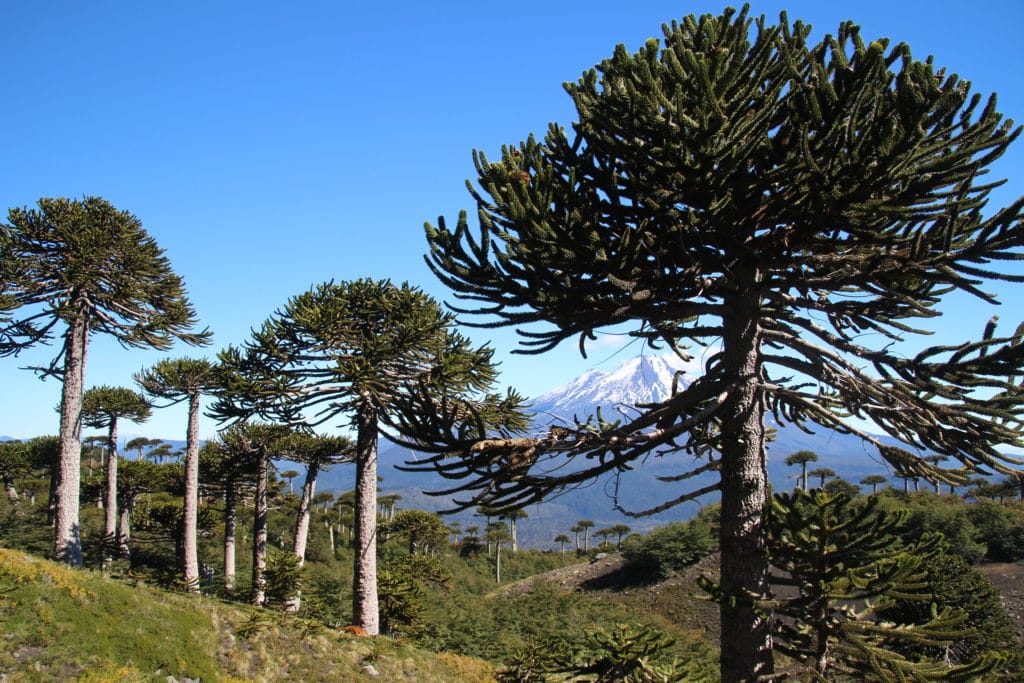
(670, 548)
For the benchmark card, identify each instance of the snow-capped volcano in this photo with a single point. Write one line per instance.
(644, 379)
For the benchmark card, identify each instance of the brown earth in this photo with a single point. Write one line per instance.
(1008, 579)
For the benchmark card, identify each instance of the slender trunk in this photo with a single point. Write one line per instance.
(190, 512)
(803, 476)
(497, 563)
(230, 522)
(67, 544)
(330, 534)
(302, 526)
(365, 608)
(305, 511)
(259, 533)
(110, 516)
(746, 651)
(125, 532)
(512, 531)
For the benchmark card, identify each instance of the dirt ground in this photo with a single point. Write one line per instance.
(1008, 579)
(606, 573)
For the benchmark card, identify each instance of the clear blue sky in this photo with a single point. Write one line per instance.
(271, 146)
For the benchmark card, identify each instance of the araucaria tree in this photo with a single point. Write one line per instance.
(379, 355)
(796, 204)
(177, 380)
(74, 268)
(102, 407)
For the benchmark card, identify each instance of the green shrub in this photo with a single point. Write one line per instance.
(668, 549)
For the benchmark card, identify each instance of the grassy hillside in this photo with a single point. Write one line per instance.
(62, 624)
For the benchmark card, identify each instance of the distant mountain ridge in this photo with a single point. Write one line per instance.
(643, 379)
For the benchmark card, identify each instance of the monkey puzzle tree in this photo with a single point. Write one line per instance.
(102, 407)
(873, 480)
(844, 564)
(249, 446)
(786, 200)
(802, 458)
(79, 268)
(822, 473)
(177, 380)
(228, 465)
(379, 354)
(316, 453)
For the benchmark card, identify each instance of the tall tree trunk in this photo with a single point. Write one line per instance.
(190, 513)
(109, 543)
(302, 526)
(512, 533)
(305, 511)
(230, 523)
(67, 544)
(746, 639)
(365, 607)
(259, 533)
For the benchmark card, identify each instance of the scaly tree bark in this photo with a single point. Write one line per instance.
(177, 380)
(73, 268)
(378, 354)
(785, 201)
(102, 407)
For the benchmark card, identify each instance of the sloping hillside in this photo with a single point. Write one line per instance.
(59, 624)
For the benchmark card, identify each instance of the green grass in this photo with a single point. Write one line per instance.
(62, 624)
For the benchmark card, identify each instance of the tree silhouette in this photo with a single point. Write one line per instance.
(513, 516)
(822, 473)
(139, 444)
(798, 207)
(380, 355)
(873, 480)
(585, 525)
(102, 407)
(77, 268)
(619, 530)
(290, 475)
(576, 529)
(561, 540)
(497, 535)
(802, 458)
(177, 380)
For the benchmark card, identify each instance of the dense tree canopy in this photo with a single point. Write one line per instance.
(798, 206)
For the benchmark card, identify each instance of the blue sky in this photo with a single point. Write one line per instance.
(271, 146)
